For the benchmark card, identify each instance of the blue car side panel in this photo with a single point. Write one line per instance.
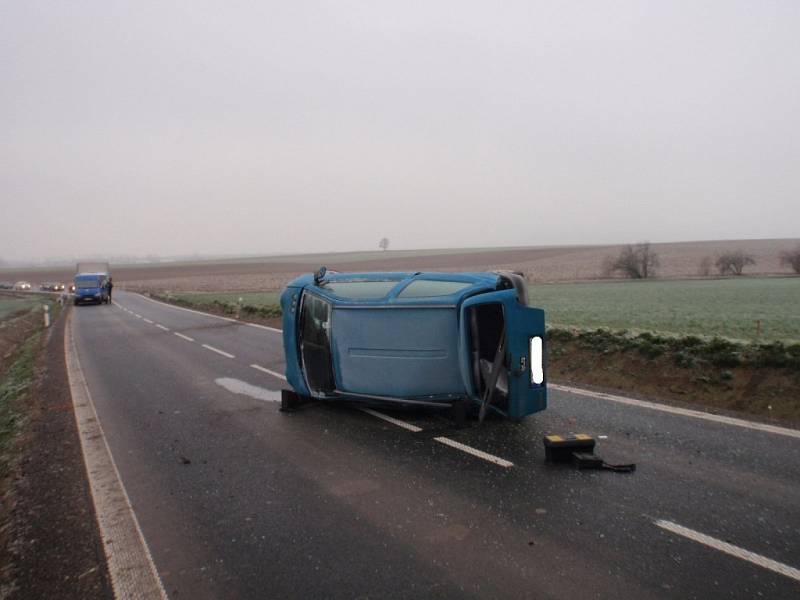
(527, 397)
(400, 352)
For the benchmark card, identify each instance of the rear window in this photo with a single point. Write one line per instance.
(427, 288)
(360, 290)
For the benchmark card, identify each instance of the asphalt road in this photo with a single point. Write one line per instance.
(238, 500)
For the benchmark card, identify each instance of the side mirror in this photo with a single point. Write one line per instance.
(320, 275)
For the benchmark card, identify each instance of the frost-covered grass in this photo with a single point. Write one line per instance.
(9, 305)
(721, 307)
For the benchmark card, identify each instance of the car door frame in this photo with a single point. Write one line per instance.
(521, 324)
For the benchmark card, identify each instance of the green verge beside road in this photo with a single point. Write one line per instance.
(20, 331)
(13, 383)
(257, 299)
(760, 378)
(263, 305)
(10, 304)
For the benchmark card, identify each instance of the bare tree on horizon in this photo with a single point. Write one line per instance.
(637, 261)
(734, 262)
(790, 258)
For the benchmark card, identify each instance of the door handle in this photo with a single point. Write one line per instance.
(523, 365)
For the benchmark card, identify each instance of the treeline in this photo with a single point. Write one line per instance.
(641, 261)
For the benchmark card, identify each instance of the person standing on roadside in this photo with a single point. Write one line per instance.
(110, 286)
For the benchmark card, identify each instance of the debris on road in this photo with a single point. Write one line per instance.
(579, 450)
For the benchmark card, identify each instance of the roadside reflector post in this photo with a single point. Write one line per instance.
(758, 328)
(46, 315)
(239, 308)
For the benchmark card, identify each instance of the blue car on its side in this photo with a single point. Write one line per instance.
(416, 338)
(91, 288)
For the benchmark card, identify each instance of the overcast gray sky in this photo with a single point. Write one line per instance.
(247, 127)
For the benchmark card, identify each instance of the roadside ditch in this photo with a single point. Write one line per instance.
(49, 541)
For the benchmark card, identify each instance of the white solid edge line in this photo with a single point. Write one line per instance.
(218, 351)
(257, 326)
(475, 452)
(185, 337)
(392, 420)
(160, 326)
(268, 372)
(686, 412)
(130, 564)
(206, 314)
(756, 559)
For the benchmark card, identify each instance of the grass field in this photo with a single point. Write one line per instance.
(9, 305)
(724, 307)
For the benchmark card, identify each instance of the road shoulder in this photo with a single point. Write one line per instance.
(52, 544)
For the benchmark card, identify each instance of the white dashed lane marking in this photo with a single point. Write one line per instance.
(392, 420)
(185, 337)
(218, 351)
(475, 452)
(268, 372)
(264, 327)
(160, 326)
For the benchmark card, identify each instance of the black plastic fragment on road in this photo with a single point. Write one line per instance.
(578, 449)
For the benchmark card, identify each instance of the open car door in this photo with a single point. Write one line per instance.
(503, 364)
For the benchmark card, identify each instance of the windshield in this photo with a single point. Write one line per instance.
(87, 282)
